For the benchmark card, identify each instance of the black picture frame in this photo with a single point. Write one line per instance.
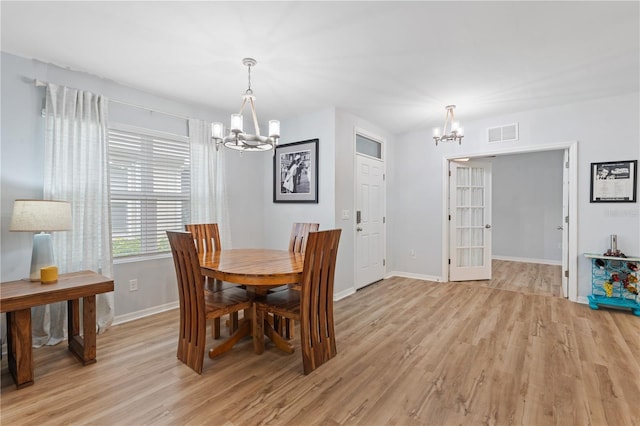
(295, 172)
(614, 182)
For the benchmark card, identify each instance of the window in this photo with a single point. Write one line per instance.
(150, 188)
(368, 146)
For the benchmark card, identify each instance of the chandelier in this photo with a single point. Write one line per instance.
(456, 133)
(237, 138)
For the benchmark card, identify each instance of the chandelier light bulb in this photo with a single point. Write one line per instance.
(217, 130)
(274, 128)
(236, 123)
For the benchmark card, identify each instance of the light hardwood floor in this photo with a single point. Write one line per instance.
(410, 352)
(530, 278)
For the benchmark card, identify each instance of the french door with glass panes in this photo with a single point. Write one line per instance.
(469, 221)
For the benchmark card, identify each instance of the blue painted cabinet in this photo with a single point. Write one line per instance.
(614, 282)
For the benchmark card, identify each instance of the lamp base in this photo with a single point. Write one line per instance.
(41, 256)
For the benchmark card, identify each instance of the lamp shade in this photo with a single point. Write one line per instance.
(40, 216)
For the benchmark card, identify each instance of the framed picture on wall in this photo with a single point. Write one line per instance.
(295, 172)
(614, 182)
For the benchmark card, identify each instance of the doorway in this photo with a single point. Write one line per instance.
(370, 208)
(569, 215)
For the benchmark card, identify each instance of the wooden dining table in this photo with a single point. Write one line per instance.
(259, 270)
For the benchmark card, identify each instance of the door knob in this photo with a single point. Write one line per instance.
(487, 226)
(559, 228)
(358, 229)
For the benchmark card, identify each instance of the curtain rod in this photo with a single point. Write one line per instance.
(40, 83)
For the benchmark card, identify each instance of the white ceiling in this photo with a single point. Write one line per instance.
(396, 64)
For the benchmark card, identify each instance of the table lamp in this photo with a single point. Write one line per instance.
(41, 217)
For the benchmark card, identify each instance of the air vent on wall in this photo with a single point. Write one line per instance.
(503, 133)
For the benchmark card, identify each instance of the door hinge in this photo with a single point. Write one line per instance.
(449, 173)
(384, 262)
(384, 176)
(449, 217)
(566, 219)
(384, 219)
(566, 165)
(449, 261)
(566, 274)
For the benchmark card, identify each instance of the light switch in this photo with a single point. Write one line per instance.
(345, 215)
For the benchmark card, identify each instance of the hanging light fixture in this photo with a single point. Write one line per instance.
(237, 138)
(456, 133)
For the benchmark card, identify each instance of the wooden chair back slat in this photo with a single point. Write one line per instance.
(205, 235)
(317, 331)
(299, 235)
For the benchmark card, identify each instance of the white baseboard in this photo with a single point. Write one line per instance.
(414, 276)
(528, 260)
(121, 319)
(582, 300)
(343, 294)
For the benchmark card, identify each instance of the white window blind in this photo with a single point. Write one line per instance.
(150, 189)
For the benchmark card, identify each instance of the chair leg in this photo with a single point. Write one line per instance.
(215, 328)
(284, 327)
(290, 332)
(277, 323)
(233, 322)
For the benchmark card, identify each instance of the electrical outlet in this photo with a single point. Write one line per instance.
(133, 285)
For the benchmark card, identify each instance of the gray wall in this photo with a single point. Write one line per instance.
(255, 220)
(415, 199)
(22, 177)
(526, 206)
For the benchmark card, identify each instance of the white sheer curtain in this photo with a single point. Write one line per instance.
(208, 189)
(76, 170)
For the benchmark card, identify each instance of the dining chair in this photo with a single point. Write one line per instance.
(299, 233)
(297, 244)
(312, 305)
(196, 305)
(206, 237)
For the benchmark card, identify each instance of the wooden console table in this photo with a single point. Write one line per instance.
(18, 297)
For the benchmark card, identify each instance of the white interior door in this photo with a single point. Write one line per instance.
(369, 220)
(469, 221)
(565, 224)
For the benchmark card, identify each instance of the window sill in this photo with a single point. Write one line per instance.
(134, 259)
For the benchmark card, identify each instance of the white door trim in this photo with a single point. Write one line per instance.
(572, 146)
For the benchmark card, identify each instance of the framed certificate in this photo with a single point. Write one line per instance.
(614, 182)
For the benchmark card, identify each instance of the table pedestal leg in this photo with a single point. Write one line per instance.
(262, 326)
(19, 352)
(280, 342)
(244, 330)
(258, 330)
